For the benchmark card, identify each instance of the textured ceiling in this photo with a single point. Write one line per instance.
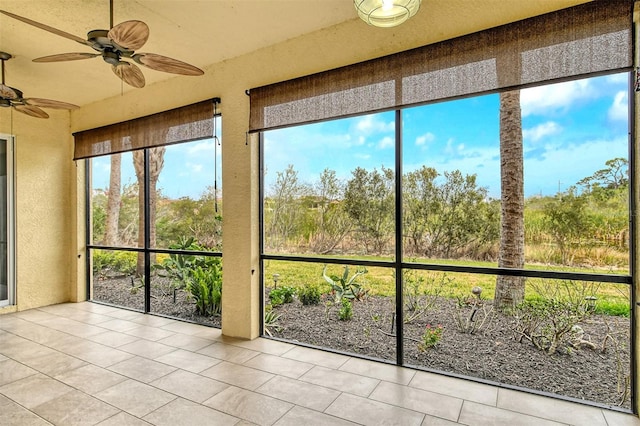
(204, 32)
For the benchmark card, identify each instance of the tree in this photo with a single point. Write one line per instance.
(285, 207)
(156, 162)
(510, 289)
(450, 219)
(614, 176)
(331, 222)
(567, 220)
(113, 202)
(369, 202)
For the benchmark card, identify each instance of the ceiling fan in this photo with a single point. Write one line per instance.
(12, 97)
(115, 45)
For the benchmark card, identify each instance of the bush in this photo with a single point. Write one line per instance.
(122, 262)
(205, 286)
(346, 310)
(281, 295)
(309, 295)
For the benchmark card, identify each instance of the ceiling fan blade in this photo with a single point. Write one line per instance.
(7, 92)
(31, 110)
(66, 57)
(47, 28)
(163, 63)
(129, 73)
(131, 35)
(48, 103)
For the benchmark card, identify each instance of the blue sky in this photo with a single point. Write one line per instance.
(569, 129)
(188, 169)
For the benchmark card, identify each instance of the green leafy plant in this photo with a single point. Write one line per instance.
(281, 295)
(309, 295)
(271, 320)
(205, 287)
(114, 262)
(345, 287)
(346, 310)
(431, 336)
(179, 268)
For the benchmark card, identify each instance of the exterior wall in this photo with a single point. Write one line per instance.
(43, 207)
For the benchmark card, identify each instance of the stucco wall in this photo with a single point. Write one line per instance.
(43, 207)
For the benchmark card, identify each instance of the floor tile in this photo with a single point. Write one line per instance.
(377, 370)
(473, 414)
(185, 341)
(149, 333)
(188, 360)
(278, 365)
(75, 328)
(466, 389)
(340, 380)
(367, 412)
(35, 315)
(620, 419)
(147, 348)
(550, 408)
(443, 406)
(183, 327)
(228, 353)
(142, 369)
(89, 317)
(75, 408)
(189, 385)
(54, 363)
(313, 356)
(237, 375)
(209, 333)
(151, 320)
(116, 324)
(183, 412)
(90, 378)
(11, 370)
(135, 398)
(256, 408)
(303, 416)
(112, 338)
(300, 393)
(266, 346)
(34, 390)
(123, 419)
(14, 414)
(96, 353)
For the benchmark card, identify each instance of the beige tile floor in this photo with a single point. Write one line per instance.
(90, 364)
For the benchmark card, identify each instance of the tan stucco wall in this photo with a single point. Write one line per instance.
(43, 207)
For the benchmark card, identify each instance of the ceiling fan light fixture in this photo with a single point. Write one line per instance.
(386, 13)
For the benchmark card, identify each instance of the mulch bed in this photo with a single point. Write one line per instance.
(492, 353)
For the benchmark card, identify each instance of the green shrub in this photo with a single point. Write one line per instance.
(122, 262)
(205, 286)
(346, 310)
(281, 295)
(309, 295)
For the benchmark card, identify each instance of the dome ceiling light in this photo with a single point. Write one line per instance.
(386, 13)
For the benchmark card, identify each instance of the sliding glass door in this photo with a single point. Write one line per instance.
(7, 296)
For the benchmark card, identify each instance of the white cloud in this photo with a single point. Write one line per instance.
(619, 110)
(386, 142)
(543, 100)
(621, 78)
(540, 131)
(424, 139)
(373, 123)
(194, 168)
(202, 147)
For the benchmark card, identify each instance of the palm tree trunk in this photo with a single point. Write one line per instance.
(113, 202)
(509, 289)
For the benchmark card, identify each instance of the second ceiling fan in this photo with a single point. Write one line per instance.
(115, 45)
